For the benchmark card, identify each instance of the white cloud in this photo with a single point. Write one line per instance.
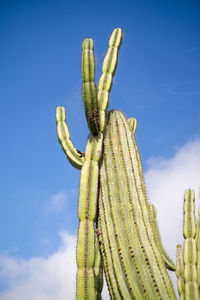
(167, 180)
(53, 277)
(57, 201)
(41, 278)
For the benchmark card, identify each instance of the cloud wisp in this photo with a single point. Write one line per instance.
(41, 278)
(53, 277)
(58, 201)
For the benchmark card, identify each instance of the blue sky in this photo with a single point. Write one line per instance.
(157, 81)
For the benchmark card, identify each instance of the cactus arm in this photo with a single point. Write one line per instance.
(108, 70)
(197, 237)
(168, 261)
(180, 272)
(190, 251)
(189, 227)
(75, 157)
(89, 88)
(132, 122)
(126, 211)
(87, 216)
(190, 273)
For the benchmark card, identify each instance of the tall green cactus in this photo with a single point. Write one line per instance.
(89, 278)
(118, 231)
(138, 269)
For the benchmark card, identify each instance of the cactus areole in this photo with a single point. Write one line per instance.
(118, 232)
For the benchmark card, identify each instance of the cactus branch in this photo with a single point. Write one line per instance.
(168, 261)
(190, 251)
(132, 123)
(108, 70)
(180, 272)
(75, 157)
(89, 88)
(198, 247)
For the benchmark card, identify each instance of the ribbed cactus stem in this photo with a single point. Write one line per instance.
(168, 261)
(112, 277)
(89, 88)
(189, 227)
(180, 272)
(132, 123)
(198, 248)
(115, 263)
(88, 194)
(190, 250)
(75, 157)
(108, 70)
(125, 212)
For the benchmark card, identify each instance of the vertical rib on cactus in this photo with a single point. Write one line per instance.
(89, 88)
(108, 70)
(124, 207)
(87, 215)
(74, 156)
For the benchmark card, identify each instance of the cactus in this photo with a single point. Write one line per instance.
(125, 220)
(89, 275)
(187, 270)
(118, 230)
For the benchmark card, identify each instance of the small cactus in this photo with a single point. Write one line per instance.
(188, 260)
